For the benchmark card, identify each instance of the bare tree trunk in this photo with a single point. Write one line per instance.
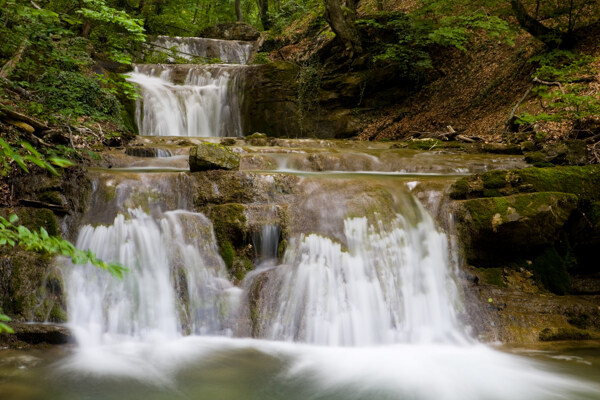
(238, 11)
(340, 15)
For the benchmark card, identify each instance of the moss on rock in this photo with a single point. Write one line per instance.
(495, 229)
(208, 156)
(582, 181)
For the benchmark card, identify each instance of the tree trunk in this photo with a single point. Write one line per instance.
(340, 15)
(263, 6)
(534, 27)
(238, 11)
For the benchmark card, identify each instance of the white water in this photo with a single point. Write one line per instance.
(175, 251)
(389, 296)
(392, 285)
(228, 51)
(207, 104)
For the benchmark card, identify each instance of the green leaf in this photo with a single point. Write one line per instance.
(60, 162)
(13, 218)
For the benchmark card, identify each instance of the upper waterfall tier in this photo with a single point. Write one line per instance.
(189, 100)
(228, 51)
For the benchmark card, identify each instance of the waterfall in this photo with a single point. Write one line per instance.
(206, 104)
(176, 281)
(393, 284)
(227, 51)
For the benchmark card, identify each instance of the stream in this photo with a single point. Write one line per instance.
(363, 302)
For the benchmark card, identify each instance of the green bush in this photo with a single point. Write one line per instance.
(71, 93)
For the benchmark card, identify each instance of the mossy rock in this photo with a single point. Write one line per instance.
(550, 335)
(501, 148)
(34, 219)
(551, 269)
(499, 228)
(582, 181)
(209, 156)
(424, 144)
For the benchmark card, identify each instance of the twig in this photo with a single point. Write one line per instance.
(541, 82)
(516, 107)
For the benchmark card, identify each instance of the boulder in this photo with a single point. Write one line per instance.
(499, 229)
(210, 156)
(231, 31)
(568, 152)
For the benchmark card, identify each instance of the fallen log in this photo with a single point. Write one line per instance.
(8, 114)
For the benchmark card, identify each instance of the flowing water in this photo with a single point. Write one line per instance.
(206, 103)
(361, 303)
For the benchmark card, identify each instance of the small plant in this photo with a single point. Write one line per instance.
(564, 99)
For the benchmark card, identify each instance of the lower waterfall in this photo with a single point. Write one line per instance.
(372, 315)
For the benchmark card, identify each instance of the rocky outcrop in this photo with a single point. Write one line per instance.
(231, 31)
(530, 237)
(499, 229)
(274, 105)
(210, 156)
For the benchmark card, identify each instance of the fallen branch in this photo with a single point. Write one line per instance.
(10, 85)
(514, 110)
(7, 113)
(541, 82)
(469, 139)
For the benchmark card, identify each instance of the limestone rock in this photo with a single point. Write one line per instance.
(209, 156)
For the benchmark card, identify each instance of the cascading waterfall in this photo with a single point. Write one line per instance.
(393, 284)
(206, 104)
(177, 283)
(227, 51)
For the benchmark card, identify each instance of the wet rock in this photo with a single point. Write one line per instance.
(568, 152)
(496, 229)
(551, 335)
(31, 334)
(211, 156)
(144, 151)
(501, 148)
(231, 31)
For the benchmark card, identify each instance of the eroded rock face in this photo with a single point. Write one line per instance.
(210, 156)
(231, 31)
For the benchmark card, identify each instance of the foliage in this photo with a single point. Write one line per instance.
(290, 11)
(407, 40)
(8, 155)
(42, 242)
(71, 93)
(3, 326)
(564, 68)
